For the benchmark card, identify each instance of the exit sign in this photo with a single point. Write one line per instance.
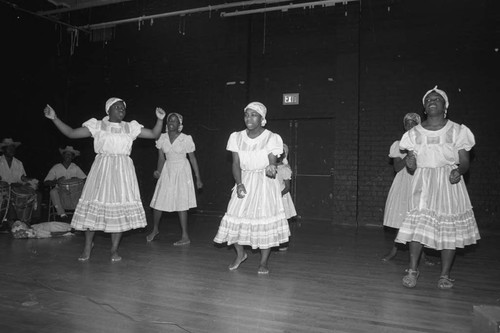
(290, 99)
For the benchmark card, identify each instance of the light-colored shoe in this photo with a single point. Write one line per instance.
(445, 282)
(115, 257)
(410, 279)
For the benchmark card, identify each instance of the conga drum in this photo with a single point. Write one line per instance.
(23, 199)
(70, 191)
(4, 198)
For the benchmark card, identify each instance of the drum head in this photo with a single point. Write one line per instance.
(22, 190)
(71, 181)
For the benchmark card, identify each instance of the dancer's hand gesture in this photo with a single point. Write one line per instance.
(160, 113)
(49, 112)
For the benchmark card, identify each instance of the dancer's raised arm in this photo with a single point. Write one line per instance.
(72, 133)
(154, 133)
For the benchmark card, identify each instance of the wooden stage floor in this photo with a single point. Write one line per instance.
(330, 280)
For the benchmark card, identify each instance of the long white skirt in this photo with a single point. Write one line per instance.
(258, 219)
(110, 200)
(441, 216)
(398, 200)
(174, 190)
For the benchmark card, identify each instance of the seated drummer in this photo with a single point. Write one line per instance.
(63, 171)
(12, 172)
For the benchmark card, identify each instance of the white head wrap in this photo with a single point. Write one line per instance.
(112, 101)
(178, 117)
(412, 116)
(260, 109)
(440, 92)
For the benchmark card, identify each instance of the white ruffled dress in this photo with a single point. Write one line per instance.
(398, 200)
(174, 190)
(285, 173)
(441, 215)
(257, 220)
(110, 200)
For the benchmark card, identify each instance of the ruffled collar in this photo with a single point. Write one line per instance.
(256, 139)
(109, 123)
(180, 138)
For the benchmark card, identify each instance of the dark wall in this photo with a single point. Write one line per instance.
(357, 73)
(406, 50)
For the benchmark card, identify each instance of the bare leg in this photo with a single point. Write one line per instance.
(264, 256)
(445, 282)
(415, 252)
(89, 244)
(183, 217)
(391, 254)
(241, 256)
(447, 257)
(156, 223)
(410, 279)
(115, 242)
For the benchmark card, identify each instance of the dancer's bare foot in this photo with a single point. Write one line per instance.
(390, 255)
(85, 256)
(152, 235)
(183, 241)
(237, 262)
(115, 257)
(263, 269)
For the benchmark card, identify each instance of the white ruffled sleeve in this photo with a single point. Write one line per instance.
(135, 129)
(189, 144)
(465, 139)
(394, 151)
(93, 125)
(285, 171)
(274, 144)
(407, 143)
(161, 140)
(232, 143)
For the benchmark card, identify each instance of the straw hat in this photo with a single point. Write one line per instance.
(9, 142)
(69, 149)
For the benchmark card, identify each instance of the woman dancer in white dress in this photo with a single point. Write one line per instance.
(110, 199)
(441, 215)
(398, 200)
(174, 190)
(255, 215)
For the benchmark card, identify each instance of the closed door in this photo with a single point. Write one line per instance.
(311, 143)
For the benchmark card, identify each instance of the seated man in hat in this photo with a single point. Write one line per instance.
(67, 180)
(24, 197)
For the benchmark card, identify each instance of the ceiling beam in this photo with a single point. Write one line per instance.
(79, 6)
(305, 4)
(323, 3)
